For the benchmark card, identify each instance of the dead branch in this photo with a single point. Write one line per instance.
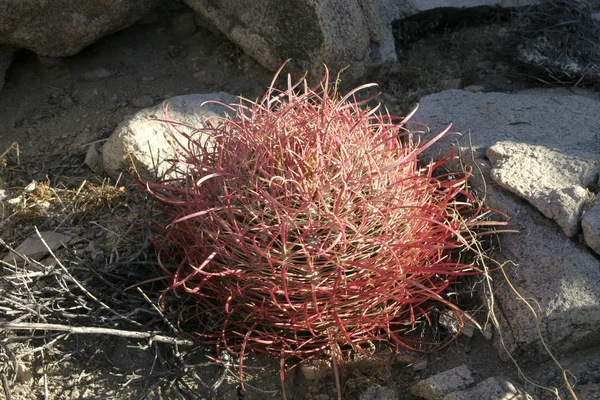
(95, 331)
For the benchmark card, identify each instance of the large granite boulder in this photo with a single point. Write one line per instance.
(555, 136)
(63, 27)
(338, 33)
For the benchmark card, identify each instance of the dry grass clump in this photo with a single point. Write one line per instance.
(559, 40)
(41, 200)
(310, 227)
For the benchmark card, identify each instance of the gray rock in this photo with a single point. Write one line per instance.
(93, 158)
(591, 226)
(34, 248)
(6, 56)
(310, 33)
(491, 388)
(377, 392)
(141, 139)
(63, 27)
(437, 386)
(560, 276)
(554, 183)
(338, 33)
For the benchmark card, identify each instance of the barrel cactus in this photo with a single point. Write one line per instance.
(308, 226)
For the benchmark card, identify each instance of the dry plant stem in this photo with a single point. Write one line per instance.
(492, 316)
(13, 146)
(542, 341)
(6, 387)
(79, 285)
(45, 376)
(95, 331)
(157, 310)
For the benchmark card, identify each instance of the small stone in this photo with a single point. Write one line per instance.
(142, 101)
(23, 373)
(30, 187)
(491, 388)
(93, 158)
(474, 88)
(33, 247)
(449, 84)
(420, 365)
(15, 201)
(437, 386)
(184, 24)
(96, 75)
(488, 332)
(378, 392)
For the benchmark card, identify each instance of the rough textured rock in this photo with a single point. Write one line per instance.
(437, 386)
(35, 249)
(6, 57)
(334, 32)
(561, 275)
(555, 183)
(339, 33)
(491, 388)
(377, 392)
(591, 226)
(140, 139)
(63, 27)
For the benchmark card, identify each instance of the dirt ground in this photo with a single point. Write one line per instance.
(54, 109)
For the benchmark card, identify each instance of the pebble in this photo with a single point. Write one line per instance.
(23, 373)
(437, 386)
(96, 75)
(142, 101)
(488, 332)
(420, 365)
